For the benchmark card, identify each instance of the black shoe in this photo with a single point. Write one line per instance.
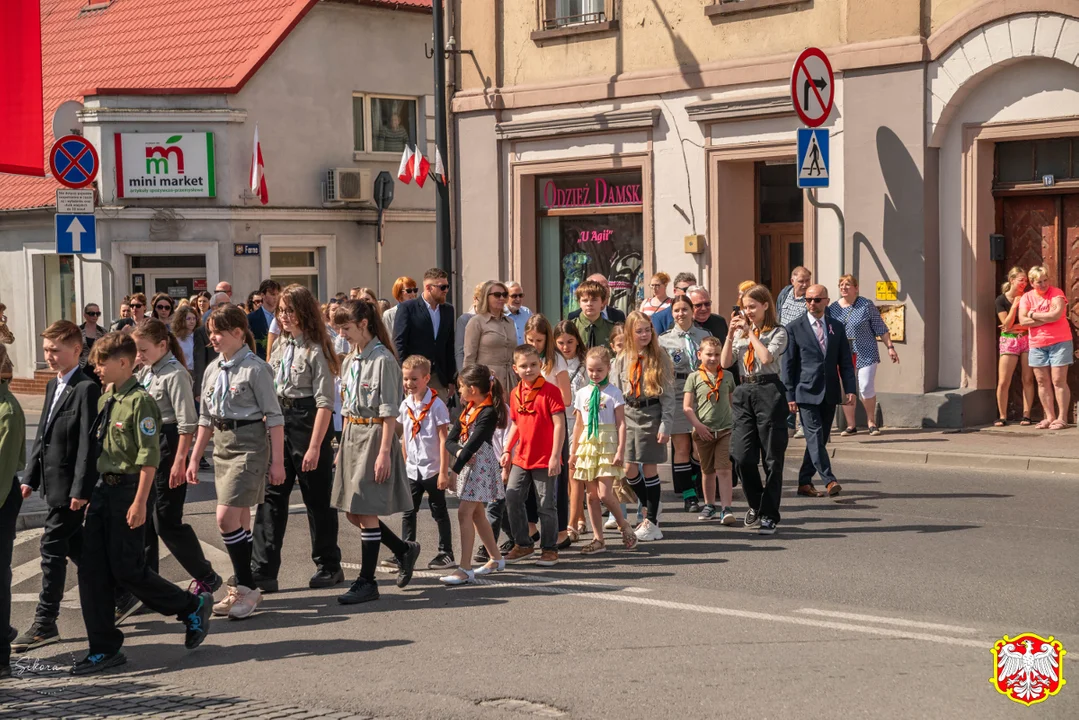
(506, 546)
(326, 579)
(751, 519)
(564, 544)
(39, 635)
(442, 561)
(264, 583)
(481, 557)
(692, 505)
(535, 537)
(361, 591)
(408, 563)
(203, 465)
(98, 662)
(768, 526)
(211, 584)
(198, 622)
(12, 633)
(126, 606)
(5, 670)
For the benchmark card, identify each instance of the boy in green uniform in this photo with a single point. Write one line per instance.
(707, 404)
(12, 457)
(594, 328)
(113, 546)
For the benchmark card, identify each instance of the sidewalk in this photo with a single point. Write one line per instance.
(1008, 448)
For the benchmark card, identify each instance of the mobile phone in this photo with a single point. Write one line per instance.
(736, 309)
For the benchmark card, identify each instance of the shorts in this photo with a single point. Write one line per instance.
(715, 454)
(867, 381)
(1012, 344)
(1055, 355)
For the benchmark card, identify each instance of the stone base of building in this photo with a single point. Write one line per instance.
(939, 409)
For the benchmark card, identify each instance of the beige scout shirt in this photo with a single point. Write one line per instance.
(308, 375)
(371, 383)
(249, 391)
(169, 384)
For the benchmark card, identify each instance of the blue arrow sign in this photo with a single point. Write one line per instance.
(76, 234)
(813, 160)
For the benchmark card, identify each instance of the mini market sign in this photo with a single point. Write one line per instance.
(159, 165)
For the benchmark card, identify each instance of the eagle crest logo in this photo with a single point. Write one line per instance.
(1028, 668)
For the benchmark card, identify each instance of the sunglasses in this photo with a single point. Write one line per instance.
(93, 314)
(334, 301)
(413, 291)
(443, 288)
(256, 302)
(682, 288)
(706, 304)
(135, 305)
(517, 296)
(163, 307)
(816, 300)
(500, 295)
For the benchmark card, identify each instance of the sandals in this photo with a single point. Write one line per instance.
(1058, 425)
(629, 538)
(456, 578)
(581, 529)
(1001, 422)
(1043, 425)
(573, 535)
(1026, 421)
(594, 548)
(491, 566)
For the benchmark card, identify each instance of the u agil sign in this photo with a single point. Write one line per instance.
(154, 165)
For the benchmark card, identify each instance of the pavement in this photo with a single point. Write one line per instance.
(883, 602)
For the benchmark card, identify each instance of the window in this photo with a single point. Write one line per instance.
(780, 199)
(295, 266)
(60, 289)
(732, 7)
(574, 12)
(1028, 161)
(382, 124)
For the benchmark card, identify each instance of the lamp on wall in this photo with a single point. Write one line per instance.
(450, 49)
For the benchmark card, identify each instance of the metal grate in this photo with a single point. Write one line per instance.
(568, 20)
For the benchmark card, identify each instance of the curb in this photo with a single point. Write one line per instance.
(973, 461)
(30, 521)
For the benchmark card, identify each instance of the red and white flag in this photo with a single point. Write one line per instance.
(404, 173)
(440, 167)
(258, 170)
(420, 167)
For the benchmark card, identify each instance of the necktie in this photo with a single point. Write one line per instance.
(594, 401)
(417, 422)
(635, 375)
(284, 372)
(591, 333)
(751, 354)
(713, 387)
(147, 378)
(221, 388)
(101, 423)
(352, 388)
(819, 325)
(691, 347)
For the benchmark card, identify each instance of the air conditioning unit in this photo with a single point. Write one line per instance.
(349, 185)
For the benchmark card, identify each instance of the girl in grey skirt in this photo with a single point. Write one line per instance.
(239, 406)
(644, 373)
(371, 478)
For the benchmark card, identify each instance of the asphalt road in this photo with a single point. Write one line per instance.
(884, 603)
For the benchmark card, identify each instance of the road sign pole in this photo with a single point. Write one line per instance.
(112, 276)
(842, 224)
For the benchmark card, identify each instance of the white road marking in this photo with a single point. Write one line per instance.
(528, 581)
(25, 571)
(27, 536)
(899, 622)
(70, 601)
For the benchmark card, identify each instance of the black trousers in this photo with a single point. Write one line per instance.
(114, 557)
(760, 435)
(9, 513)
(496, 512)
(165, 518)
(62, 539)
(817, 424)
(437, 500)
(271, 518)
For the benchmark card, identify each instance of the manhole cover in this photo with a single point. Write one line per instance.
(525, 707)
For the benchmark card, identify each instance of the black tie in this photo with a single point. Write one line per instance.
(101, 424)
(591, 336)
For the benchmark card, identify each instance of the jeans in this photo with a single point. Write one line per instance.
(516, 493)
(62, 539)
(437, 500)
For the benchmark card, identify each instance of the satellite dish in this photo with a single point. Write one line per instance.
(65, 120)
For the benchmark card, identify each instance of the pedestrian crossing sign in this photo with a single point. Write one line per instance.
(812, 157)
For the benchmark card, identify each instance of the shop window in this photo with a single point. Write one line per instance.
(589, 224)
(382, 124)
(780, 199)
(60, 289)
(295, 266)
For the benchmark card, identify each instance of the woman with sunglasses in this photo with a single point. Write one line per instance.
(137, 303)
(404, 288)
(91, 331)
(162, 307)
(490, 336)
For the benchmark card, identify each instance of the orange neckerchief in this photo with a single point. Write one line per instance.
(750, 353)
(417, 421)
(713, 388)
(471, 412)
(635, 375)
(525, 404)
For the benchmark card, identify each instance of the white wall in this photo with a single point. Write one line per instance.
(1027, 90)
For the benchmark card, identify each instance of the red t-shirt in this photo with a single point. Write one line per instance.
(535, 430)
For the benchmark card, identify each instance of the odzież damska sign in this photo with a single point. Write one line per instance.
(589, 192)
(165, 165)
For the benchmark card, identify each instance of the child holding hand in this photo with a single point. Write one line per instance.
(707, 404)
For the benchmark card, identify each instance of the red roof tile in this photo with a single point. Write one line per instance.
(149, 46)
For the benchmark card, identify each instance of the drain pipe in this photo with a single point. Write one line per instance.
(842, 224)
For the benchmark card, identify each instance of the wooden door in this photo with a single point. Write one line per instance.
(779, 250)
(1069, 282)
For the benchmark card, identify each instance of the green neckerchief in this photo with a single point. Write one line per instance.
(593, 408)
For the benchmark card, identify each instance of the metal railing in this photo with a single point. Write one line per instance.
(568, 20)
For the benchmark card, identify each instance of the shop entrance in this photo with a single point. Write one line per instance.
(178, 276)
(779, 224)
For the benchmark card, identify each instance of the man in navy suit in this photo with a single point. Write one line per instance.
(817, 357)
(260, 318)
(425, 326)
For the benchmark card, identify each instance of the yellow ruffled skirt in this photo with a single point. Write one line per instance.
(595, 456)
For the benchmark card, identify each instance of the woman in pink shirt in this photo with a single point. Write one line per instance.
(1044, 311)
(659, 299)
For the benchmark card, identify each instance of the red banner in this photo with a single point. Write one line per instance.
(22, 142)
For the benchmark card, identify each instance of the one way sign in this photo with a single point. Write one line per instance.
(76, 234)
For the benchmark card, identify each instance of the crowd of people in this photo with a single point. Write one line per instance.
(539, 426)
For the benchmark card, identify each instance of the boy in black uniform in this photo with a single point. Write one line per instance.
(113, 545)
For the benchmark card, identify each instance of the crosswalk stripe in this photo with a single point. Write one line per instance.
(27, 536)
(25, 572)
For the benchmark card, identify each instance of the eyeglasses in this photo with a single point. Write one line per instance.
(682, 288)
(412, 291)
(500, 295)
(517, 296)
(134, 305)
(705, 304)
(91, 313)
(163, 306)
(286, 311)
(256, 302)
(656, 285)
(816, 300)
(334, 301)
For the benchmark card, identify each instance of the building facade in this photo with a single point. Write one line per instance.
(607, 131)
(336, 88)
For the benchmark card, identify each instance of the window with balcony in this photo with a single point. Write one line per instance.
(565, 18)
(722, 8)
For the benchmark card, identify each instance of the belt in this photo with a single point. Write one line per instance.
(304, 403)
(119, 478)
(223, 424)
(760, 379)
(634, 403)
(681, 376)
(362, 420)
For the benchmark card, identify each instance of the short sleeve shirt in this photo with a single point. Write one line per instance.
(169, 384)
(713, 413)
(610, 400)
(422, 451)
(1050, 333)
(863, 325)
(535, 429)
(776, 342)
(560, 366)
(131, 441)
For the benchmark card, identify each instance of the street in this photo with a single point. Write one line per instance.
(884, 602)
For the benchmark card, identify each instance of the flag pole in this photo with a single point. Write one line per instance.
(443, 247)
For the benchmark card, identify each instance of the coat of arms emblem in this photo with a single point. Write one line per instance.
(1028, 668)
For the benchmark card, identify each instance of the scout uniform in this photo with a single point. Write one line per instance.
(237, 397)
(594, 334)
(169, 384)
(12, 458)
(682, 345)
(126, 430)
(712, 403)
(304, 384)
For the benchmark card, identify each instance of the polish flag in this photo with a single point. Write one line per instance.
(440, 168)
(23, 139)
(258, 170)
(420, 168)
(404, 173)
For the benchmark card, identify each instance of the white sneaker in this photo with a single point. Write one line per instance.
(223, 607)
(611, 524)
(245, 604)
(800, 432)
(648, 531)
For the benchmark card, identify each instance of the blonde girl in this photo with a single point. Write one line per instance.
(571, 348)
(598, 448)
(1014, 347)
(644, 373)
